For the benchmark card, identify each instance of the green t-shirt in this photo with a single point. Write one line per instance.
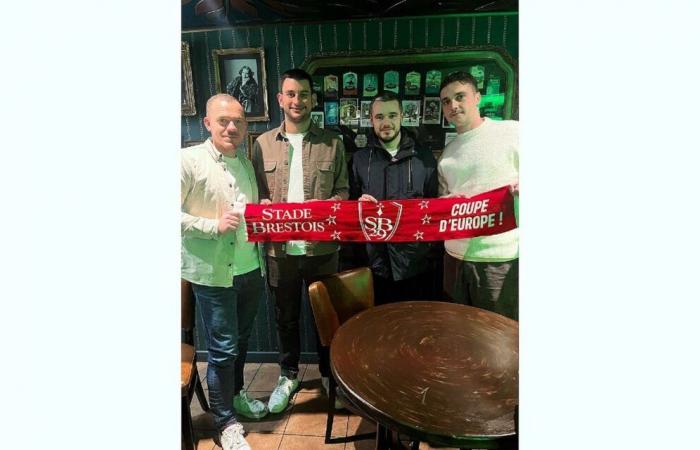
(245, 256)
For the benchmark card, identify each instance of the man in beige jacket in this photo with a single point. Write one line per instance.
(297, 162)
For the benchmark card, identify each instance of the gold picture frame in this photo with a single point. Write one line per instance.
(241, 73)
(252, 136)
(187, 94)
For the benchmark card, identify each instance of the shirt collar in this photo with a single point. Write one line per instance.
(282, 134)
(216, 154)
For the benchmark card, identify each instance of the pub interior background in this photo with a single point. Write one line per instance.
(289, 38)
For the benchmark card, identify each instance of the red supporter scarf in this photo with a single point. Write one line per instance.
(430, 219)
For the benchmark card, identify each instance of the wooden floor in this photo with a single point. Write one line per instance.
(301, 427)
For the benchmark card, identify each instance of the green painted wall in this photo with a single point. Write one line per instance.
(287, 46)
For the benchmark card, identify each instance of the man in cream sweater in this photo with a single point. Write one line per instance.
(481, 271)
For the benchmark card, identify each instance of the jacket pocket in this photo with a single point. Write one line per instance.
(325, 174)
(270, 168)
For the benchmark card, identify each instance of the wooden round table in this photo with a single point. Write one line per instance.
(439, 372)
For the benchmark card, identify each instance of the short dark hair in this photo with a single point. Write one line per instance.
(296, 74)
(387, 96)
(461, 76)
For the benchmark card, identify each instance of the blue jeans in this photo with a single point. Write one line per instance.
(228, 315)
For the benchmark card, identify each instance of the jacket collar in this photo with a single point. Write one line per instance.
(406, 145)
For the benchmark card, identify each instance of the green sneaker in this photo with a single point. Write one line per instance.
(279, 399)
(249, 407)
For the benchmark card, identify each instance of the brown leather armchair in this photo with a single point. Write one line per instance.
(334, 299)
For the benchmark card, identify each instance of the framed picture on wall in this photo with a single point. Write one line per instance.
(252, 136)
(240, 72)
(431, 110)
(317, 118)
(187, 94)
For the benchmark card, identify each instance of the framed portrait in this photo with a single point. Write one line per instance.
(365, 120)
(348, 112)
(241, 73)
(391, 81)
(331, 110)
(370, 85)
(330, 86)
(252, 136)
(432, 82)
(412, 85)
(350, 83)
(478, 73)
(317, 118)
(187, 94)
(431, 110)
(411, 113)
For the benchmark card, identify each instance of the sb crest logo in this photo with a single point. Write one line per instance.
(379, 221)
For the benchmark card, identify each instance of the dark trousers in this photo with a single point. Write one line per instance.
(486, 285)
(287, 277)
(417, 287)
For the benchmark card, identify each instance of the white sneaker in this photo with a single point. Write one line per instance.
(325, 382)
(279, 399)
(232, 438)
(249, 407)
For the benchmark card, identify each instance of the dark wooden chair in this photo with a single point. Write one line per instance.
(190, 382)
(334, 299)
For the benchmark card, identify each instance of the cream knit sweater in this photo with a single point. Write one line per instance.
(477, 161)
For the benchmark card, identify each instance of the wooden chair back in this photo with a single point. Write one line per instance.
(335, 298)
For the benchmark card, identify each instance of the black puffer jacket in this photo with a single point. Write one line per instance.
(412, 173)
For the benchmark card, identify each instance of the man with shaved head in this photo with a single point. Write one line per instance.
(226, 271)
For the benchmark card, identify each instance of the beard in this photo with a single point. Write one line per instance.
(390, 138)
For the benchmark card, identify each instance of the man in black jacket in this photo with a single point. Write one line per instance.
(393, 166)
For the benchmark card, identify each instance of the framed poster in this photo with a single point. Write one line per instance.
(241, 73)
(350, 83)
(412, 85)
(369, 85)
(411, 113)
(330, 87)
(317, 118)
(331, 109)
(349, 115)
(365, 113)
(431, 110)
(391, 81)
(433, 78)
(187, 94)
